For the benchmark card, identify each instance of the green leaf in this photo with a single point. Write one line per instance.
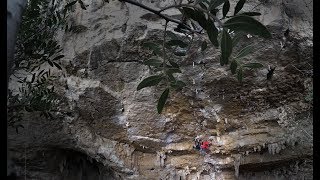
(240, 74)
(233, 66)
(196, 15)
(226, 47)
(82, 5)
(226, 7)
(216, 3)
(180, 53)
(162, 100)
(173, 64)
(178, 84)
(204, 45)
(171, 78)
(153, 62)
(150, 81)
(57, 65)
(203, 6)
(177, 42)
(58, 57)
(236, 39)
(248, 25)
(253, 65)
(173, 70)
(251, 14)
(212, 32)
(239, 6)
(70, 4)
(244, 51)
(152, 46)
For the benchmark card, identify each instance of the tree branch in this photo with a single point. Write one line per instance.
(195, 7)
(167, 18)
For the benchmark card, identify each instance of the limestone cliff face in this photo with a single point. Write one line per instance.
(259, 130)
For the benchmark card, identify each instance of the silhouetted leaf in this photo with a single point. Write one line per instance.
(82, 5)
(233, 66)
(196, 15)
(171, 78)
(173, 70)
(152, 46)
(204, 45)
(57, 65)
(240, 74)
(244, 51)
(226, 47)
(70, 4)
(180, 53)
(150, 81)
(212, 32)
(173, 64)
(203, 6)
(251, 13)
(178, 84)
(226, 7)
(176, 42)
(239, 6)
(58, 57)
(248, 25)
(33, 77)
(215, 3)
(236, 39)
(156, 62)
(50, 63)
(162, 100)
(253, 65)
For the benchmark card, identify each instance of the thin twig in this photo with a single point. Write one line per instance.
(195, 7)
(167, 18)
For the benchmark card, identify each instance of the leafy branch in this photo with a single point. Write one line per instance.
(204, 13)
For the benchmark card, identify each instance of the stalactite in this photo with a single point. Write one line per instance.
(237, 162)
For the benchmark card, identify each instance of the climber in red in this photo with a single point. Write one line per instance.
(204, 148)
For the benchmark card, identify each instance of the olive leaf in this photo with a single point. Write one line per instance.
(239, 6)
(244, 51)
(225, 8)
(248, 25)
(162, 100)
(204, 45)
(176, 42)
(155, 61)
(152, 46)
(251, 13)
(226, 47)
(150, 81)
(216, 3)
(173, 64)
(233, 66)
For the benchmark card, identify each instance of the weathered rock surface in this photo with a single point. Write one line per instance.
(259, 130)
